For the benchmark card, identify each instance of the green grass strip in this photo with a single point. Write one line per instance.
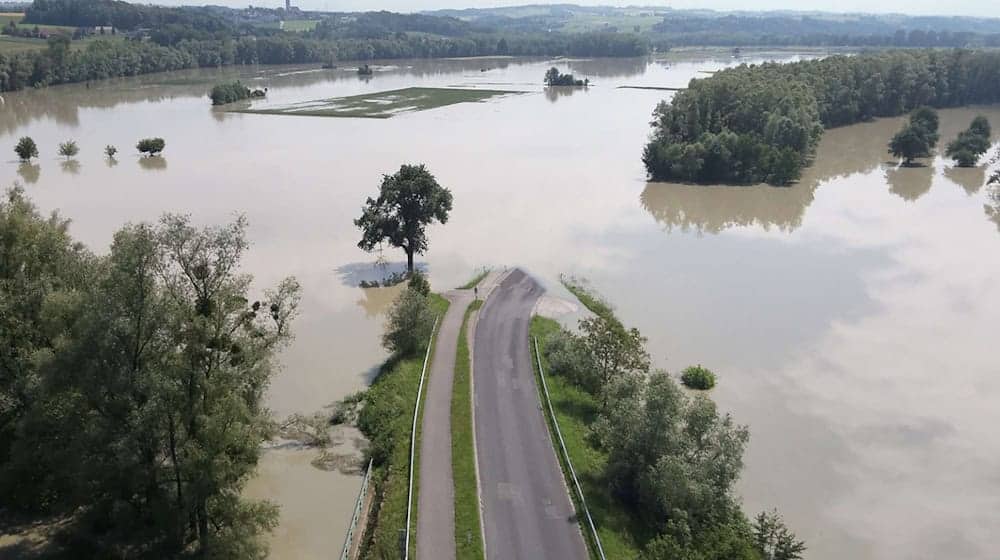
(394, 394)
(622, 535)
(468, 534)
(590, 299)
(475, 280)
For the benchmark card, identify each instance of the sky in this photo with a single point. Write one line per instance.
(910, 7)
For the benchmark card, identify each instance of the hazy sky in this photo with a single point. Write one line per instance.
(913, 7)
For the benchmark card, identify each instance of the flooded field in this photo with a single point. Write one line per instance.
(850, 317)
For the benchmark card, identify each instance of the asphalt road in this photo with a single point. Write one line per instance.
(527, 512)
(436, 500)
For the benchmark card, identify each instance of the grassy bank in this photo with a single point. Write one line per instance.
(387, 421)
(475, 280)
(468, 534)
(588, 298)
(622, 536)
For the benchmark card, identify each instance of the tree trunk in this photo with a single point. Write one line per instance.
(203, 539)
(409, 261)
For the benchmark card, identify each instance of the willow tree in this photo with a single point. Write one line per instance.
(408, 201)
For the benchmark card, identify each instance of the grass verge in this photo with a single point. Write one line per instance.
(590, 299)
(622, 536)
(387, 420)
(475, 280)
(468, 534)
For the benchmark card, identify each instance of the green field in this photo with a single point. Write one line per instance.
(582, 22)
(383, 104)
(10, 45)
(298, 25)
(7, 17)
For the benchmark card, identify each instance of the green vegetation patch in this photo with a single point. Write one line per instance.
(468, 535)
(387, 419)
(475, 280)
(10, 45)
(698, 377)
(299, 25)
(383, 104)
(622, 535)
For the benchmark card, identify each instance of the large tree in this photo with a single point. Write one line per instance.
(614, 350)
(142, 390)
(407, 202)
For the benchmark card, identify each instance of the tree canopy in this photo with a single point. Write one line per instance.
(132, 385)
(918, 137)
(762, 122)
(408, 201)
(971, 143)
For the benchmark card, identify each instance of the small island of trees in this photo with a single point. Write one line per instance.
(971, 143)
(223, 94)
(554, 78)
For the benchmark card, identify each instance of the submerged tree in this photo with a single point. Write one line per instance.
(68, 149)
(26, 148)
(971, 143)
(407, 202)
(151, 146)
(917, 138)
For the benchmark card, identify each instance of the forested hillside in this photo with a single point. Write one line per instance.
(761, 122)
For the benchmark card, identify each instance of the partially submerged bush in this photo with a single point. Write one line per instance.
(229, 93)
(410, 324)
(698, 377)
(419, 283)
(151, 146)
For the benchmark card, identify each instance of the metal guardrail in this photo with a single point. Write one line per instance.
(413, 441)
(562, 444)
(345, 555)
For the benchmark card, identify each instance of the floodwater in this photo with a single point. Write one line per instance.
(850, 317)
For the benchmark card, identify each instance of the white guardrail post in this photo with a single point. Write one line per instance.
(562, 444)
(413, 441)
(345, 555)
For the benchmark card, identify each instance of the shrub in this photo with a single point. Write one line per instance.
(410, 324)
(26, 148)
(568, 358)
(698, 377)
(419, 283)
(151, 146)
(68, 149)
(110, 151)
(229, 93)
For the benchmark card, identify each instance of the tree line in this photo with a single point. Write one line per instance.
(762, 122)
(131, 385)
(672, 459)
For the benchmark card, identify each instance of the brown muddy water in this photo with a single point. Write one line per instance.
(850, 317)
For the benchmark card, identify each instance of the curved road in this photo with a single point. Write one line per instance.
(527, 512)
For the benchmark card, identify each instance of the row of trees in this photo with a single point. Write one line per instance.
(131, 384)
(761, 122)
(103, 59)
(673, 459)
(919, 136)
(26, 148)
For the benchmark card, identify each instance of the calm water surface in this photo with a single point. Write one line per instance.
(850, 317)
